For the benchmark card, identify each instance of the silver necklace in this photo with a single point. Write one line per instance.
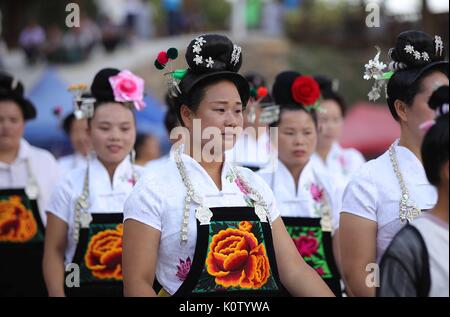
(83, 217)
(408, 209)
(32, 187)
(203, 213)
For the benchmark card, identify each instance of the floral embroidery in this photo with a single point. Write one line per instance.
(320, 271)
(132, 181)
(309, 243)
(104, 254)
(183, 269)
(17, 223)
(307, 246)
(241, 187)
(317, 194)
(128, 179)
(232, 178)
(237, 259)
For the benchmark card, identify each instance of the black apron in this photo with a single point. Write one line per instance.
(316, 248)
(252, 168)
(21, 246)
(225, 272)
(99, 258)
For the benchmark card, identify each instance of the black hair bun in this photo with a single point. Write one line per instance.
(326, 84)
(281, 92)
(439, 99)
(213, 53)
(101, 87)
(416, 49)
(11, 88)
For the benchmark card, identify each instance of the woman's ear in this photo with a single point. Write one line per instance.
(186, 116)
(400, 108)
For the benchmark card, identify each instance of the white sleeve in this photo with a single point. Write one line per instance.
(60, 200)
(144, 204)
(361, 195)
(357, 159)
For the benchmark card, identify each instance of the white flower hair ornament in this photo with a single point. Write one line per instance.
(381, 73)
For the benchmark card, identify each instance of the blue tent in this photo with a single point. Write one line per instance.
(46, 131)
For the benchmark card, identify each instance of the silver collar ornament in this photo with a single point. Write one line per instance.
(408, 209)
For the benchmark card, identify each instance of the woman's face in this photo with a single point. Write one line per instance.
(113, 133)
(12, 125)
(297, 138)
(220, 108)
(420, 112)
(79, 136)
(330, 120)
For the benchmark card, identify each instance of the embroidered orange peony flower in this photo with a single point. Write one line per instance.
(104, 254)
(17, 223)
(245, 226)
(236, 259)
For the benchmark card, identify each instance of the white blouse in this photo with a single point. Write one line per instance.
(374, 193)
(313, 190)
(43, 167)
(71, 162)
(435, 234)
(158, 201)
(340, 164)
(104, 197)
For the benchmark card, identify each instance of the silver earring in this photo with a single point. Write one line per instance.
(133, 156)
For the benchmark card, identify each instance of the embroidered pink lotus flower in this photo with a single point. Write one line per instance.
(183, 269)
(241, 187)
(317, 193)
(320, 271)
(128, 87)
(306, 246)
(132, 181)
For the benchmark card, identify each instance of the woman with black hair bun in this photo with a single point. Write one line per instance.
(77, 131)
(252, 149)
(83, 244)
(198, 224)
(417, 261)
(340, 163)
(27, 177)
(392, 190)
(304, 192)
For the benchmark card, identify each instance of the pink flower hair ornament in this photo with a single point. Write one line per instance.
(128, 88)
